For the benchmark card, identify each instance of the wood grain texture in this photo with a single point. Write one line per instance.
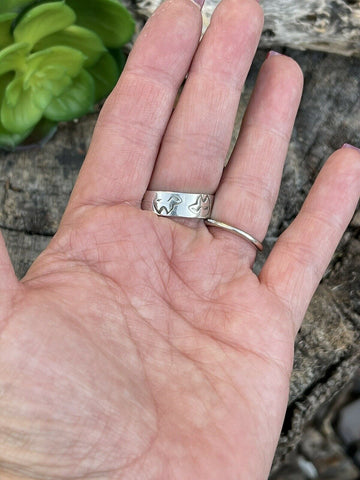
(324, 25)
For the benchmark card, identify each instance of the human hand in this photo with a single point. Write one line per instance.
(138, 347)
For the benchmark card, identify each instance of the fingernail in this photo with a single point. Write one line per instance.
(272, 53)
(199, 3)
(347, 145)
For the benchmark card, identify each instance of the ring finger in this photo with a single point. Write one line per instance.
(191, 157)
(249, 186)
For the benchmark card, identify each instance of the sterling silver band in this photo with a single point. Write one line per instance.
(214, 223)
(178, 204)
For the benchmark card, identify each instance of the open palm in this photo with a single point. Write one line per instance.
(139, 347)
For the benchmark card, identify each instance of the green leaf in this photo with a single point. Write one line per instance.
(79, 38)
(65, 58)
(6, 20)
(9, 140)
(18, 110)
(43, 131)
(105, 74)
(108, 18)
(13, 5)
(119, 56)
(75, 101)
(4, 82)
(13, 91)
(50, 72)
(51, 83)
(13, 57)
(43, 20)
(49, 87)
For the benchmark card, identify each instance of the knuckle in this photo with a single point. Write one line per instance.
(255, 189)
(303, 255)
(197, 143)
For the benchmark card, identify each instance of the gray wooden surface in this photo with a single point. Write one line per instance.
(35, 186)
(324, 25)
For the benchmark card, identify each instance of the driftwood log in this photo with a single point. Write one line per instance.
(324, 25)
(35, 186)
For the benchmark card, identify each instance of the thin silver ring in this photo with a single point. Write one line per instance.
(178, 204)
(214, 223)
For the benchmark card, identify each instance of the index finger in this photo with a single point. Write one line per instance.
(131, 124)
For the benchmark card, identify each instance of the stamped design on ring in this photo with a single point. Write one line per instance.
(178, 204)
(166, 207)
(202, 206)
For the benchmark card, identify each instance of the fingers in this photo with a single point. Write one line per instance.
(196, 142)
(132, 122)
(302, 253)
(250, 184)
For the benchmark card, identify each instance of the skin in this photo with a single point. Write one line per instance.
(138, 347)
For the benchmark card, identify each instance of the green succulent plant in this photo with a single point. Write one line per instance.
(57, 60)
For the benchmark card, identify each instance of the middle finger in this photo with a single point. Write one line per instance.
(198, 136)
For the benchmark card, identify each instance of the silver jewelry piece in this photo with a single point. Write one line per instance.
(214, 223)
(178, 204)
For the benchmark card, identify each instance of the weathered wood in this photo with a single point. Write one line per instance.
(325, 25)
(35, 186)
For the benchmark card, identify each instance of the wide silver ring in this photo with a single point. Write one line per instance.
(214, 223)
(178, 204)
